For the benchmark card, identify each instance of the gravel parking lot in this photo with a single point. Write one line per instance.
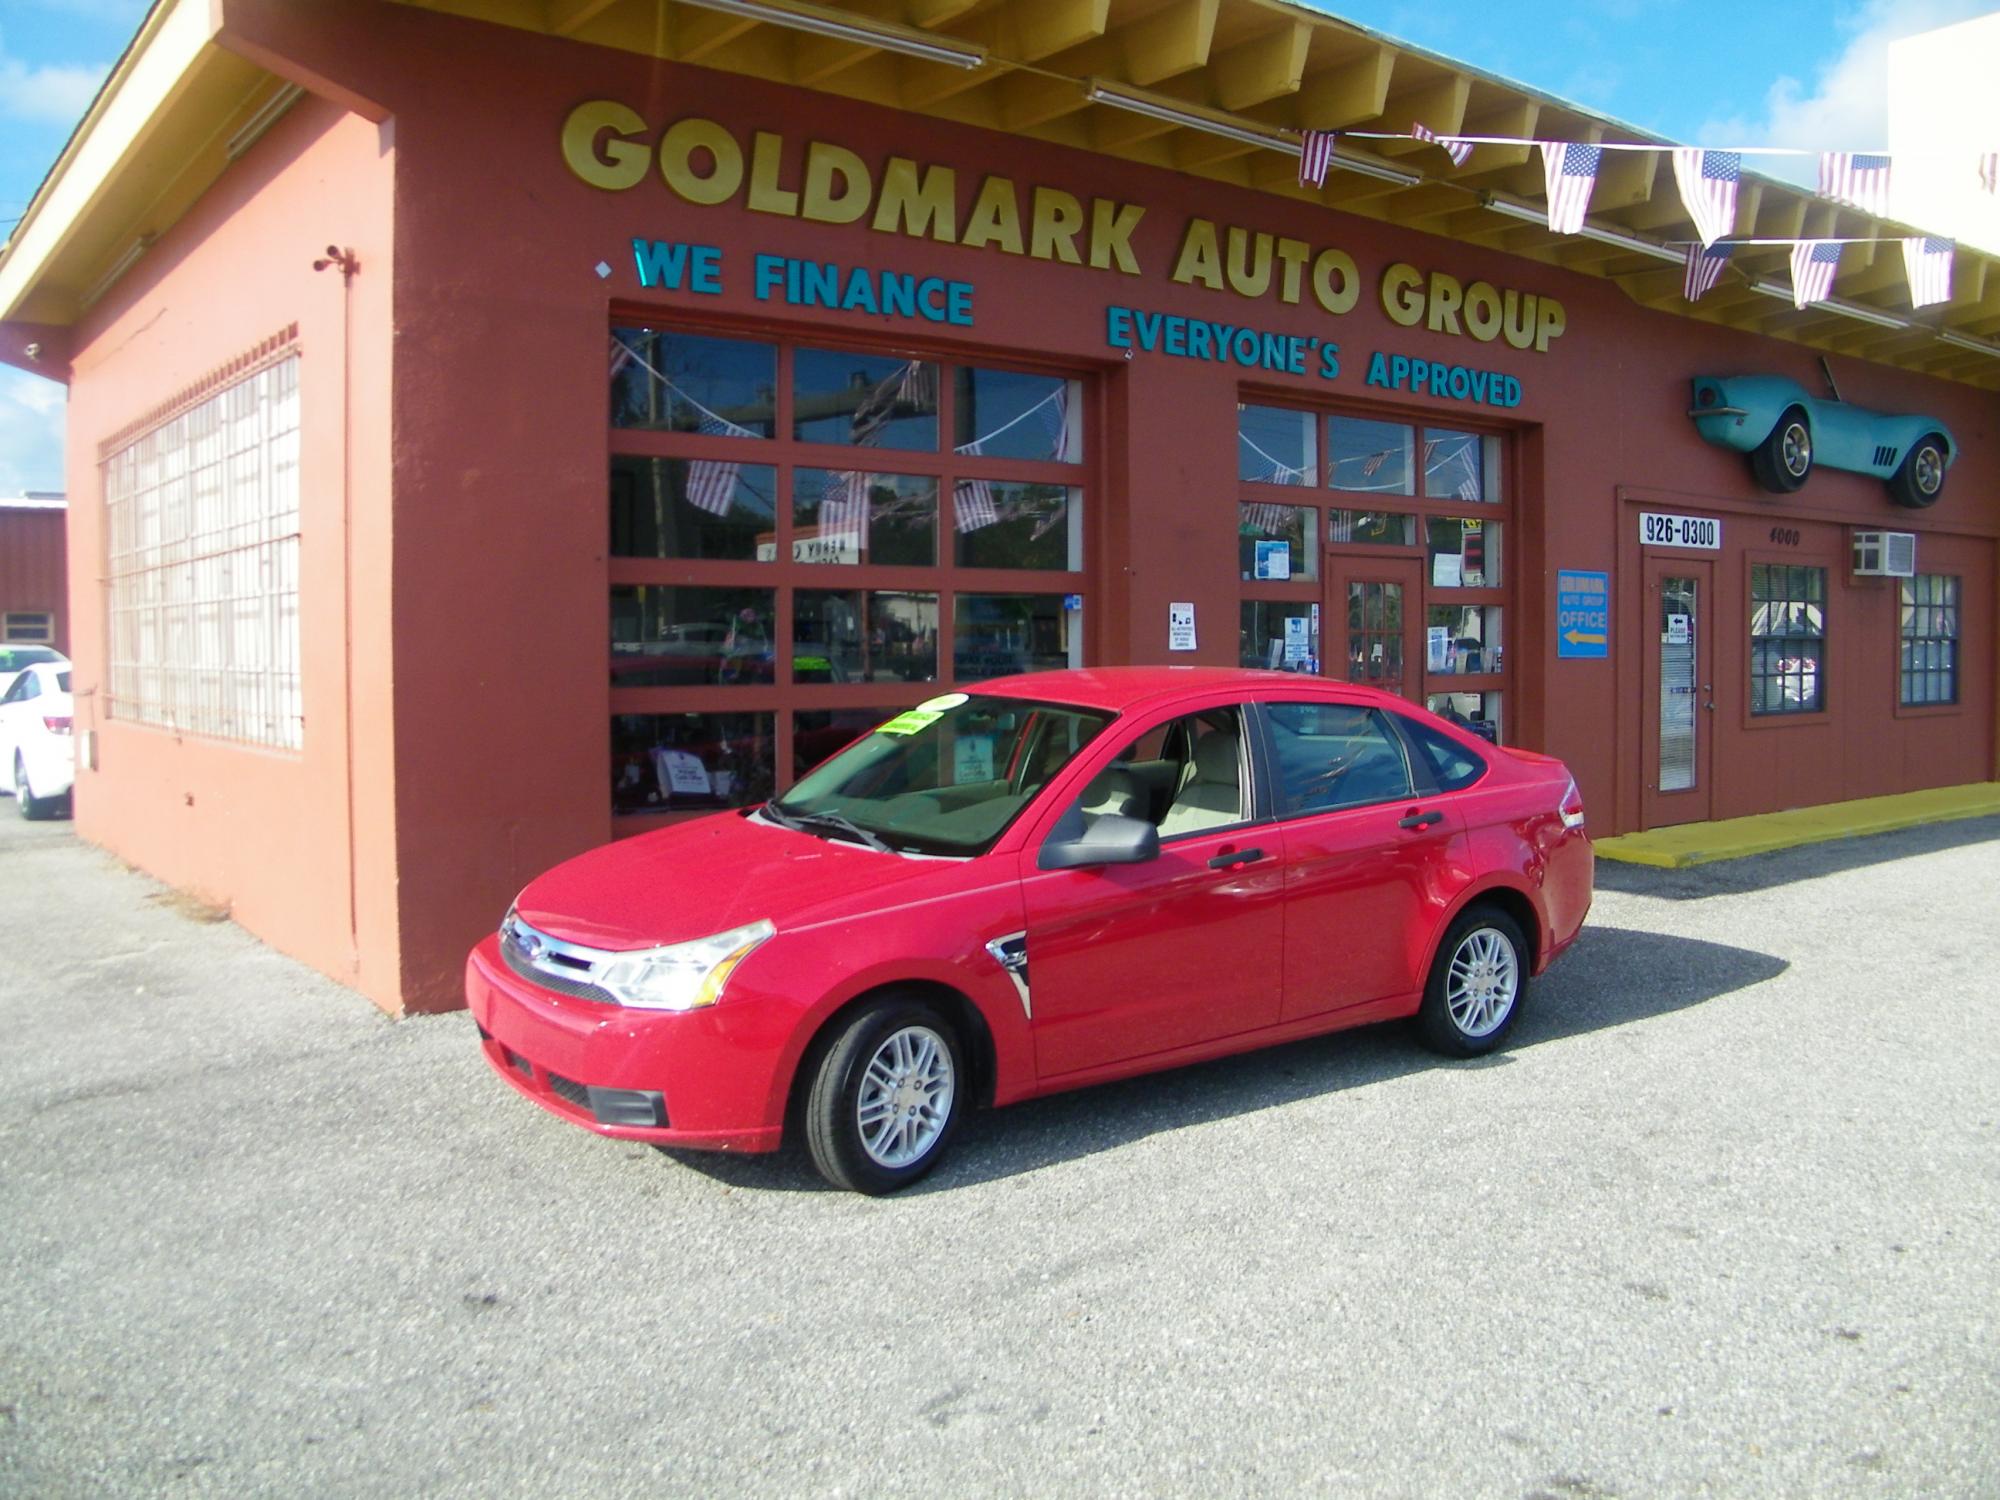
(1721, 1221)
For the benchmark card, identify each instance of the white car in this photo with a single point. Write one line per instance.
(37, 742)
(14, 657)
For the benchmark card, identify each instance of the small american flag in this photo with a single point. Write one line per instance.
(918, 386)
(621, 355)
(973, 504)
(1813, 265)
(1372, 465)
(1708, 187)
(1315, 156)
(1054, 416)
(711, 485)
(1570, 168)
(1704, 269)
(1989, 171)
(1459, 151)
(1927, 259)
(1276, 519)
(843, 506)
(1852, 177)
(1468, 487)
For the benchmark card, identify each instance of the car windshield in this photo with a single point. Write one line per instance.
(946, 777)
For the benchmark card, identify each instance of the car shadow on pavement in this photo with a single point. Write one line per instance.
(1612, 976)
(1761, 872)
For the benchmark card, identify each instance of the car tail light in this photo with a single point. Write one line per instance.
(1572, 805)
(56, 723)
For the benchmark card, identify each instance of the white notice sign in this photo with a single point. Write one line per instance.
(1180, 627)
(681, 772)
(1677, 630)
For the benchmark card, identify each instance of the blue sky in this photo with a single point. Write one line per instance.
(1773, 72)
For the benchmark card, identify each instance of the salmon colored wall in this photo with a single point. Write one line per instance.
(32, 573)
(266, 834)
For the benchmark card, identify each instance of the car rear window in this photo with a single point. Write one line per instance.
(1452, 764)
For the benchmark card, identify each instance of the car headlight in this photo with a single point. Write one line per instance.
(681, 976)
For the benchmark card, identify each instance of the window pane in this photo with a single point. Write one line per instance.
(1007, 414)
(1277, 542)
(1930, 639)
(1274, 445)
(1462, 553)
(687, 382)
(1370, 456)
(1787, 626)
(1330, 755)
(1376, 528)
(1454, 465)
(1479, 712)
(999, 524)
(1450, 763)
(669, 636)
(820, 733)
(843, 516)
(1001, 633)
(671, 507)
(1462, 638)
(1281, 636)
(864, 636)
(874, 400)
(684, 762)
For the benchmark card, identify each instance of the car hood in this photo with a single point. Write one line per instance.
(707, 876)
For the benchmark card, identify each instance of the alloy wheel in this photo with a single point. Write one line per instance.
(1484, 980)
(905, 1097)
(1797, 448)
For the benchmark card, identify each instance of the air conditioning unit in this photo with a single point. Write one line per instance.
(1885, 554)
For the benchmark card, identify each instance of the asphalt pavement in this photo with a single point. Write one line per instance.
(1723, 1220)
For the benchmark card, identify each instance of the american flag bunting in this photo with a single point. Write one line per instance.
(1927, 259)
(1708, 182)
(843, 506)
(1272, 518)
(1814, 263)
(1856, 178)
(1372, 465)
(972, 504)
(1054, 416)
(1468, 487)
(1315, 156)
(711, 484)
(1459, 151)
(1570, 168)
(1989, 171)
(1704, 269)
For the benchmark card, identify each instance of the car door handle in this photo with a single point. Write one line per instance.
(1237, 857)
(1420, 820)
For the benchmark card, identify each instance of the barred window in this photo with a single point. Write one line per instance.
(1787, 639)
(28, 626)
(202, 515)
(1930, 639)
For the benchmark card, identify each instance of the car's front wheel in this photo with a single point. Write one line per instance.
(31, 806)
(1783, 460)
(1920, 480)
(1476, 983)
(886, 1096)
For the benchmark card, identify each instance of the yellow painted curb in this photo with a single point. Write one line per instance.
(1734, 838)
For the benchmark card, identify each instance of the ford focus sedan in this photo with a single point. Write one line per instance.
(1051, 881)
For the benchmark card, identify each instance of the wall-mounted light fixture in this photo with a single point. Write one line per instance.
(846, 28)
(119, 267)
(1213, 122)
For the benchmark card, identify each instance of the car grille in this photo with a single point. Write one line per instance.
(568, 1088)
(519, 962)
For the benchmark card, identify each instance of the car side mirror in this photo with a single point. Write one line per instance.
(1107, 839)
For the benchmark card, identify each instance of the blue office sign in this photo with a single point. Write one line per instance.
(1583, 615)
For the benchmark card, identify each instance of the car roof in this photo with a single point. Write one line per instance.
(1120, 689)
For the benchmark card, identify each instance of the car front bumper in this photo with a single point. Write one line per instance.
(707, 1079)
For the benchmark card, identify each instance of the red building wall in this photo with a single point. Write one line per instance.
(33, 578)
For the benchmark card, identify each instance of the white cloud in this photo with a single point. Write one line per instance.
(1846, 105)
(56, 95)
(32, 414)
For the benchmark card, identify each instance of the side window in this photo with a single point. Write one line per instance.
(1182, 776)
(26, 686)
(17, 691)
(1452, 766)
(1332, 755)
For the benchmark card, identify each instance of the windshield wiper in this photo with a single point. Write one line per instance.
(829, 821)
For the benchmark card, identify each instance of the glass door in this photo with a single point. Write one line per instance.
(1680, 691)
(1375, 616)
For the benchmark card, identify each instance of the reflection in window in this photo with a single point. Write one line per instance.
(671, 636)
(1451, 765)
(1364, 455)
(1462, 552)
(1375, 634)
(1930, 639)
(1008, 414)
(1454, 465)
(1462, 638)
(1329, 755)
(1372, 528)
(998, 634)
(1277, 542)
(689, 762)
(867, 400)
(1274, 445)
(1479, 712)
(1283, 637)
(676, 507)
(821, 733)
(1000, 524)
(858, 635)
(1787, 639)
(849, 516)
(686, 382)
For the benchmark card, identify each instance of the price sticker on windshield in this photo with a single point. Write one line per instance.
(1656, 530)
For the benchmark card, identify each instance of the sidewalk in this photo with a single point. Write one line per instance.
(1732, 838)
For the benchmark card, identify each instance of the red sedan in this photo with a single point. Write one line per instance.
(1050, 881)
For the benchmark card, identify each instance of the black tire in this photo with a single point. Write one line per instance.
(1920, 480)
(863, 1056)
(1783, 460)
(33, 808)
(1454, 1017)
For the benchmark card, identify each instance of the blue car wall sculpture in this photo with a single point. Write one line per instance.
(1786, 432)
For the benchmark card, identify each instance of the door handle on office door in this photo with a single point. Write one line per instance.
(1707, 702)
(1420, 820)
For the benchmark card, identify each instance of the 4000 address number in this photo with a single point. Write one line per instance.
(1656, 530)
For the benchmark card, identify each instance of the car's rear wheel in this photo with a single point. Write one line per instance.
(1783, 460)
(31, 806)
(1920, 480)
(886, 1097)
(1476, 983)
